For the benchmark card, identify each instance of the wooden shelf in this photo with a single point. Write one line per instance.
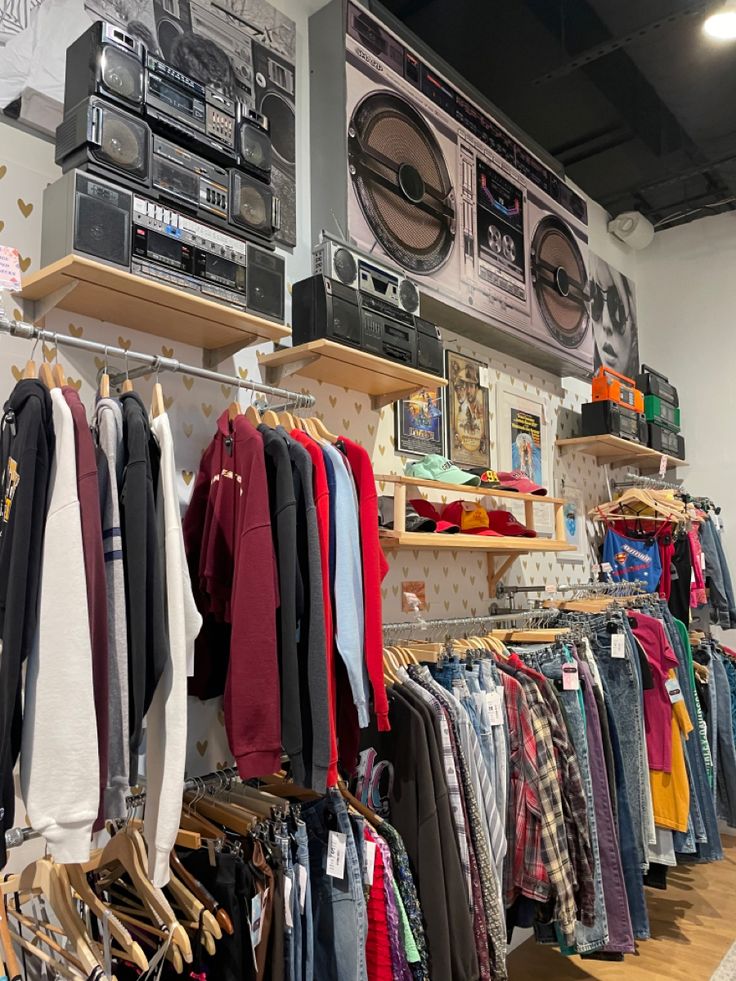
(616, 452)
(326, 361)
(95, 290)
(506, 545)
(467, 489)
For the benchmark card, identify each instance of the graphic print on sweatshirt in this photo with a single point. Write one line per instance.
(633, 560)
(374, 782)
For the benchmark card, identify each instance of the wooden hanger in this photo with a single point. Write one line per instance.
(30, 370)
(127, 385)
(201, 892)
(253, 415)
(11, 965)
(271, 419)
(44, 373)
(366, 812)
(232, 816)
(59, 376)
(158, 406)
(322, 430)
(287, 421)
(534, 635)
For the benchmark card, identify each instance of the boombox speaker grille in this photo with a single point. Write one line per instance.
(559, 277)
(101, 229)
(401, 181)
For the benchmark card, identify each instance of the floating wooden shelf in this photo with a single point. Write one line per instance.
(501, 552)
(326, 361)
(616, 452)
(95, 290)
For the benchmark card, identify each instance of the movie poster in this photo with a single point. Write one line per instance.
(526, 444)
(420, 423)
(468, 416)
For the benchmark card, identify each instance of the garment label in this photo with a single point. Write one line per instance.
(570, 677)
(607, 567)
(370, 861)
(702, 561)
(302, 887)
(673, 690)
(256, 918)
(494, 706)
(9, 268)
(289, 916)
(336, 847)
(618, 645)
(596, 567)
(663, 464)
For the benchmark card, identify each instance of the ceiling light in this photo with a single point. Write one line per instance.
(721, 24)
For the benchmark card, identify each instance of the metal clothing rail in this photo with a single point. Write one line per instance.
(640, 480)
(17, 836)
(152, 363)
(466, 621)
(611, 588)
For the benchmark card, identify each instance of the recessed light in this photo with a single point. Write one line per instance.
(721, 24)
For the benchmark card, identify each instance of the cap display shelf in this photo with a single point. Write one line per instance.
(501, 551)
(83, 286)
(613, 451)
(327, 361)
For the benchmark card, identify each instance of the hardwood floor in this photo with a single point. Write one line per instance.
(693, 924)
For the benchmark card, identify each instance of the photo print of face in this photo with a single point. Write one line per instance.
(612, 307)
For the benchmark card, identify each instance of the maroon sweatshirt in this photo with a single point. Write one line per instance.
(228, 540)
(94, 566)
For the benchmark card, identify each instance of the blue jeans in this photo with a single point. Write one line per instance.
(338, 905)
(303, 937)
(284, 844)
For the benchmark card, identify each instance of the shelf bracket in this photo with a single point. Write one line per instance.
(273, 374)
(34, 311)
(214, 356)
(380, 401)
(496, 574)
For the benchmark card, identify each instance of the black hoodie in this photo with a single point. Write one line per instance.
(27, 448)
(148, 645)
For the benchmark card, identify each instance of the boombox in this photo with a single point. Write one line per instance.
(652, 382)
(106, 139)
(326, 308)
(88, 216)
(610, 386)
(665, 441)
(662, 413)
(337, 260)
(610, 418)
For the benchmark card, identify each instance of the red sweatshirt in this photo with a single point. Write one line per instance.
(375, 568)
(322, 504)
(227, 534)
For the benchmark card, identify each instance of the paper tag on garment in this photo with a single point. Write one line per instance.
(702, 561)
(663, 464)
(302, 887)
(370, 861)
(607, 567)
(289, 916)
(673, 690)
(618, 645)
(9, 269)
(570, 677)
(550, 587)
(256, 918)
(495, 708)
(336, 848)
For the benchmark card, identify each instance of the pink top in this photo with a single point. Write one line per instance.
(657, 706)
(698, 596)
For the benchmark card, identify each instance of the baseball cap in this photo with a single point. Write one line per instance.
(515, 480)
(506, 524)
(470, 516)
(436, 467)
(428, 510)
(413, 521)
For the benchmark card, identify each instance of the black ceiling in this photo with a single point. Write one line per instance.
(630, 95)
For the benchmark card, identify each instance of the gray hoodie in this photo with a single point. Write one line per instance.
(108, 426)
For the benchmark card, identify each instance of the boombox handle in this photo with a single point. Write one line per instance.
(646, 370)
(609, 371)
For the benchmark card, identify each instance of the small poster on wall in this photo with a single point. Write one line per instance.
(420, 423)
(612, 305)
(526, 444)
(468, 417)
(575, 525)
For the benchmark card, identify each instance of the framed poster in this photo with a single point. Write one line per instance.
(576, 531)
(468, 416)
(523, 443)
(420, 423)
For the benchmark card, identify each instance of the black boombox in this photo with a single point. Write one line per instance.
(103, 138)
(611, 418)
(665, 441)
(325, 308)
(85, 215)
(652, 382)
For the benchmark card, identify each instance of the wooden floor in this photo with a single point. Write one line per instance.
(693, 924)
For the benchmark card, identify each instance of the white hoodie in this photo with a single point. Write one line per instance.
(59, 764)
(166, 722)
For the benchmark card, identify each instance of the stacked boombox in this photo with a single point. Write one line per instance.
(645, 410)
(164, 176)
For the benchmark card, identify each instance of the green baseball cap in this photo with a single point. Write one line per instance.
(436, 467)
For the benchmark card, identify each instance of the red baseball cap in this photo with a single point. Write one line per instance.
(506, 524)
(515, 480)
(470, 516)
(427, 510)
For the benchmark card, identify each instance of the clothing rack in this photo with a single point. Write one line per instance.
(639, 480)
(17, 836)
(457, 622)
(608, 588)
(152, 363)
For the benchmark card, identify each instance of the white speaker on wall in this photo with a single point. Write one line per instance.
(632, 228)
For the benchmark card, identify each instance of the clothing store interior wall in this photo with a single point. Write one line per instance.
(685, 297)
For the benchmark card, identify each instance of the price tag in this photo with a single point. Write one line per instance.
(596, 567)
(336, 848)
(484, 376)
(288, 915)
(370, 861)
(302, 888)
(702, 561)
(256, 918)
(607, 567)
(663, 464)
(618, 645)
(570, 677)
(9, 268)
(495, 708)
(551, 587)
(673, 690)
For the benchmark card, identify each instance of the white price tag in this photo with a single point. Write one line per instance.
(607, 567)
(570, 677)
(484, 376)
(494, 704)
(618, 645)
(673, 690)
(370, 861)
(663, 464)
(9, 268)
(289, 916)
(596, 567)
(702, 561)
(256, 918)
(302, 887)
(336, 848)
(551, 587)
